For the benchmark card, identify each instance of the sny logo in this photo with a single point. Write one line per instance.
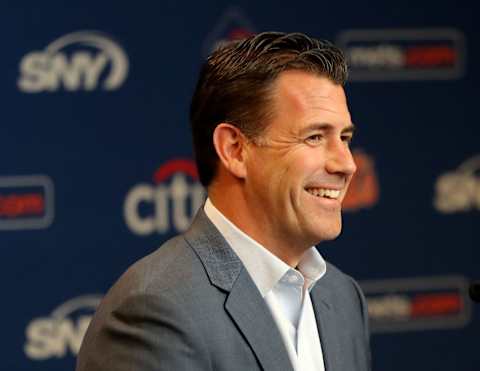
(459, 190)
(78, 61)
(64, 329)
(159, 207)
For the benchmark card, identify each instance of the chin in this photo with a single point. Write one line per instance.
(328, 232)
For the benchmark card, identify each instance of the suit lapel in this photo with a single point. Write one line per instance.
(252, 316)
(244, 303)
(326, 323)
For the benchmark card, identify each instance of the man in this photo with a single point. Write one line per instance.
(244, 288)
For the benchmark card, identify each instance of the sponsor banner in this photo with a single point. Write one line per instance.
(83, 60)
(26, 202)
(232, 25)
(412, 304)
(364, 191)
(459, 190)
(61, 333)
(404, 54)
(169, 203)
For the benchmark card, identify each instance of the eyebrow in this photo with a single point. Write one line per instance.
(325, 126)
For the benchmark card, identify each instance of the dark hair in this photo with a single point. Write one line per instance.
(235, 85)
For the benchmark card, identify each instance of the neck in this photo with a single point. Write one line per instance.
(231, 202)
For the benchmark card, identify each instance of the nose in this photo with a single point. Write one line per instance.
(340, 159)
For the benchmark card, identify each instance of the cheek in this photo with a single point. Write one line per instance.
(305, 166)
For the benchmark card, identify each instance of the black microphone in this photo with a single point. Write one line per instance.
(474, 291)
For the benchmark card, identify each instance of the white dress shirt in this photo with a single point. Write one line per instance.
(285, 290)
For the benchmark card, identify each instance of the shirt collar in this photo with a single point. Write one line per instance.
(265, 268)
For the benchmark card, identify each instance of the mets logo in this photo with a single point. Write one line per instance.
(364, 189)
(233, 25)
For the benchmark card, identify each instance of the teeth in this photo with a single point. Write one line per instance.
(324, 192)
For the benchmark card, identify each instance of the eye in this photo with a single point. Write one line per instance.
(347, 138)
(314, 139)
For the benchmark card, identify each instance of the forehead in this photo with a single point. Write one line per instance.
(310, 97)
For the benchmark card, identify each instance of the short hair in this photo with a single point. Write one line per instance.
(235, 83)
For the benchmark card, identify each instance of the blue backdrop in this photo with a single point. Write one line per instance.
(96, 163)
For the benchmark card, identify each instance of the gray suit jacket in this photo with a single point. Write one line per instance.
(191, 305)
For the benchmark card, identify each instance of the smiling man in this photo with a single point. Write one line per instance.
(245, 287)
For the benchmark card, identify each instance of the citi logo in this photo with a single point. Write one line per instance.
(62, 331)
(84, 60)
(459, 190)
(170, 203)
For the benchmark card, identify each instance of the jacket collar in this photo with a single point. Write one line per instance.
(220, 262)
(244, 303)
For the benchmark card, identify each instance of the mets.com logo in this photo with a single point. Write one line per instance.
(26, 202)
(62, 331)
(167, 204)
(404, 54)
(459, 190)
(418, 303)
(83, 60)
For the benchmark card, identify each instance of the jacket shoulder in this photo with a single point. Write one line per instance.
(173, 265)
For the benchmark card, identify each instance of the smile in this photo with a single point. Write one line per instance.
(324, 192)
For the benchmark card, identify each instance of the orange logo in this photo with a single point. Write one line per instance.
(363, 191)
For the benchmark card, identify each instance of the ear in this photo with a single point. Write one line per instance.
(229, 144)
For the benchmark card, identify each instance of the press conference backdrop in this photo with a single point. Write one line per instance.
(96, 164)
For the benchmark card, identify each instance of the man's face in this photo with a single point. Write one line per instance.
(299, 170)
